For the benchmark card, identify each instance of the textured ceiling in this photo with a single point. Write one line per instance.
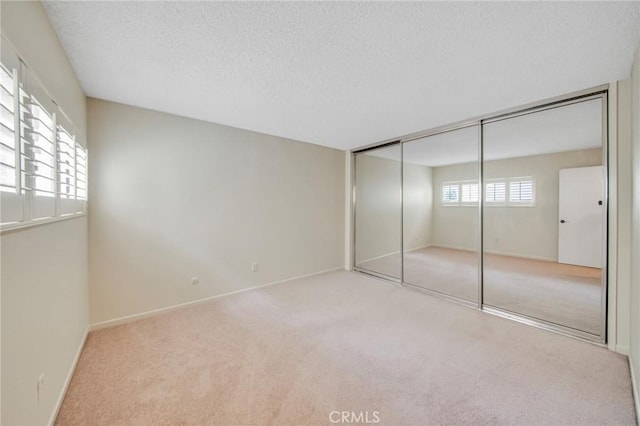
(342, 74)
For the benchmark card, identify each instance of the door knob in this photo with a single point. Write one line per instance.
(562, 221)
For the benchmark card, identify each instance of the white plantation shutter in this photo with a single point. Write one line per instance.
(66, 170)
(469, 192)
(38, 149)
(81, 177)
(496, 192)
(8, 161)
(11, 198)
(450, 193)
(43, 167)
(521, 191)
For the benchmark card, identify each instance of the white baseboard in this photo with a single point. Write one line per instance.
(522, 256)
(451, 247)
(392, 253)
(634, 386)
(154, 312)
(67, 381)
(419, 247)
(378, 257)
(621, 349)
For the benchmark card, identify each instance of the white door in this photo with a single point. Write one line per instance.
(581, 216)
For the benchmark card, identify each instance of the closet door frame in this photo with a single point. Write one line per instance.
(540, 323)
(354, 182)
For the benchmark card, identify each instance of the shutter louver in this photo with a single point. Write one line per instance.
(450, 194)
(8, 176)
(521, 191)
(470, 193)
(496, 192)
(43, 169)
(81, 177)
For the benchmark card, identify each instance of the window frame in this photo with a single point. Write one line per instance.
(26, 200)
(459, 202)
(507, 192)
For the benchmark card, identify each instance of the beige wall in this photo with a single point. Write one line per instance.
(27, 28)
(176, 198)
(634, 349)
(520, 231)
(43, 268)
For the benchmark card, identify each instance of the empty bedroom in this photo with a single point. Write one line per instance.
(318, 213)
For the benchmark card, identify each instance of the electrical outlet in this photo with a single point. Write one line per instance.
(39, 387)
(195, 280)
(254, 267)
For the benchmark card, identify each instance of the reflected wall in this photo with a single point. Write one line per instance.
(440, 212)
(378, 211)
(527, 269)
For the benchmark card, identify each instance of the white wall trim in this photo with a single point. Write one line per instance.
(418, 248)
(612, 232)
(378, 257)
(17, 226)
(634, 387)
(130, 318)
(622, 349)
(348, 211)
(67, 382)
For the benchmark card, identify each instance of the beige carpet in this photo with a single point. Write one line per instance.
(292, 353)
(563, 294)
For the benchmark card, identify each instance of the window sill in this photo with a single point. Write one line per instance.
(509, 205)
(17, 226)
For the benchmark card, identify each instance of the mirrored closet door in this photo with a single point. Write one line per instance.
(544, 215)
(378, 196)
(507, 214)
(441, 213)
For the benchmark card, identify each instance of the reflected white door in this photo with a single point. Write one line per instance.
(581, 216)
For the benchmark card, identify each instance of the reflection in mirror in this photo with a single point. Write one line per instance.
(440, 194)
(544, 215)
(378, 210)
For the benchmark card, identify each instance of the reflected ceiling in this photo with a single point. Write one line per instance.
(568, 128)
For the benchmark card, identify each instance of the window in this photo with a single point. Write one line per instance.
(515, 191)
(496, 192)
(66, 164)
(7, 132)
(469, 192)
(509, 192)
(450, 193)
(39, 148)
(81, 173)
(521, 191)
(460, 193)
(43, 168)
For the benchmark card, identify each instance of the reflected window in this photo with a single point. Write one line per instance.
(496, 192)
(517, 191)
(450, 193)
(460, 193)
(470, 193)
(521, 191)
